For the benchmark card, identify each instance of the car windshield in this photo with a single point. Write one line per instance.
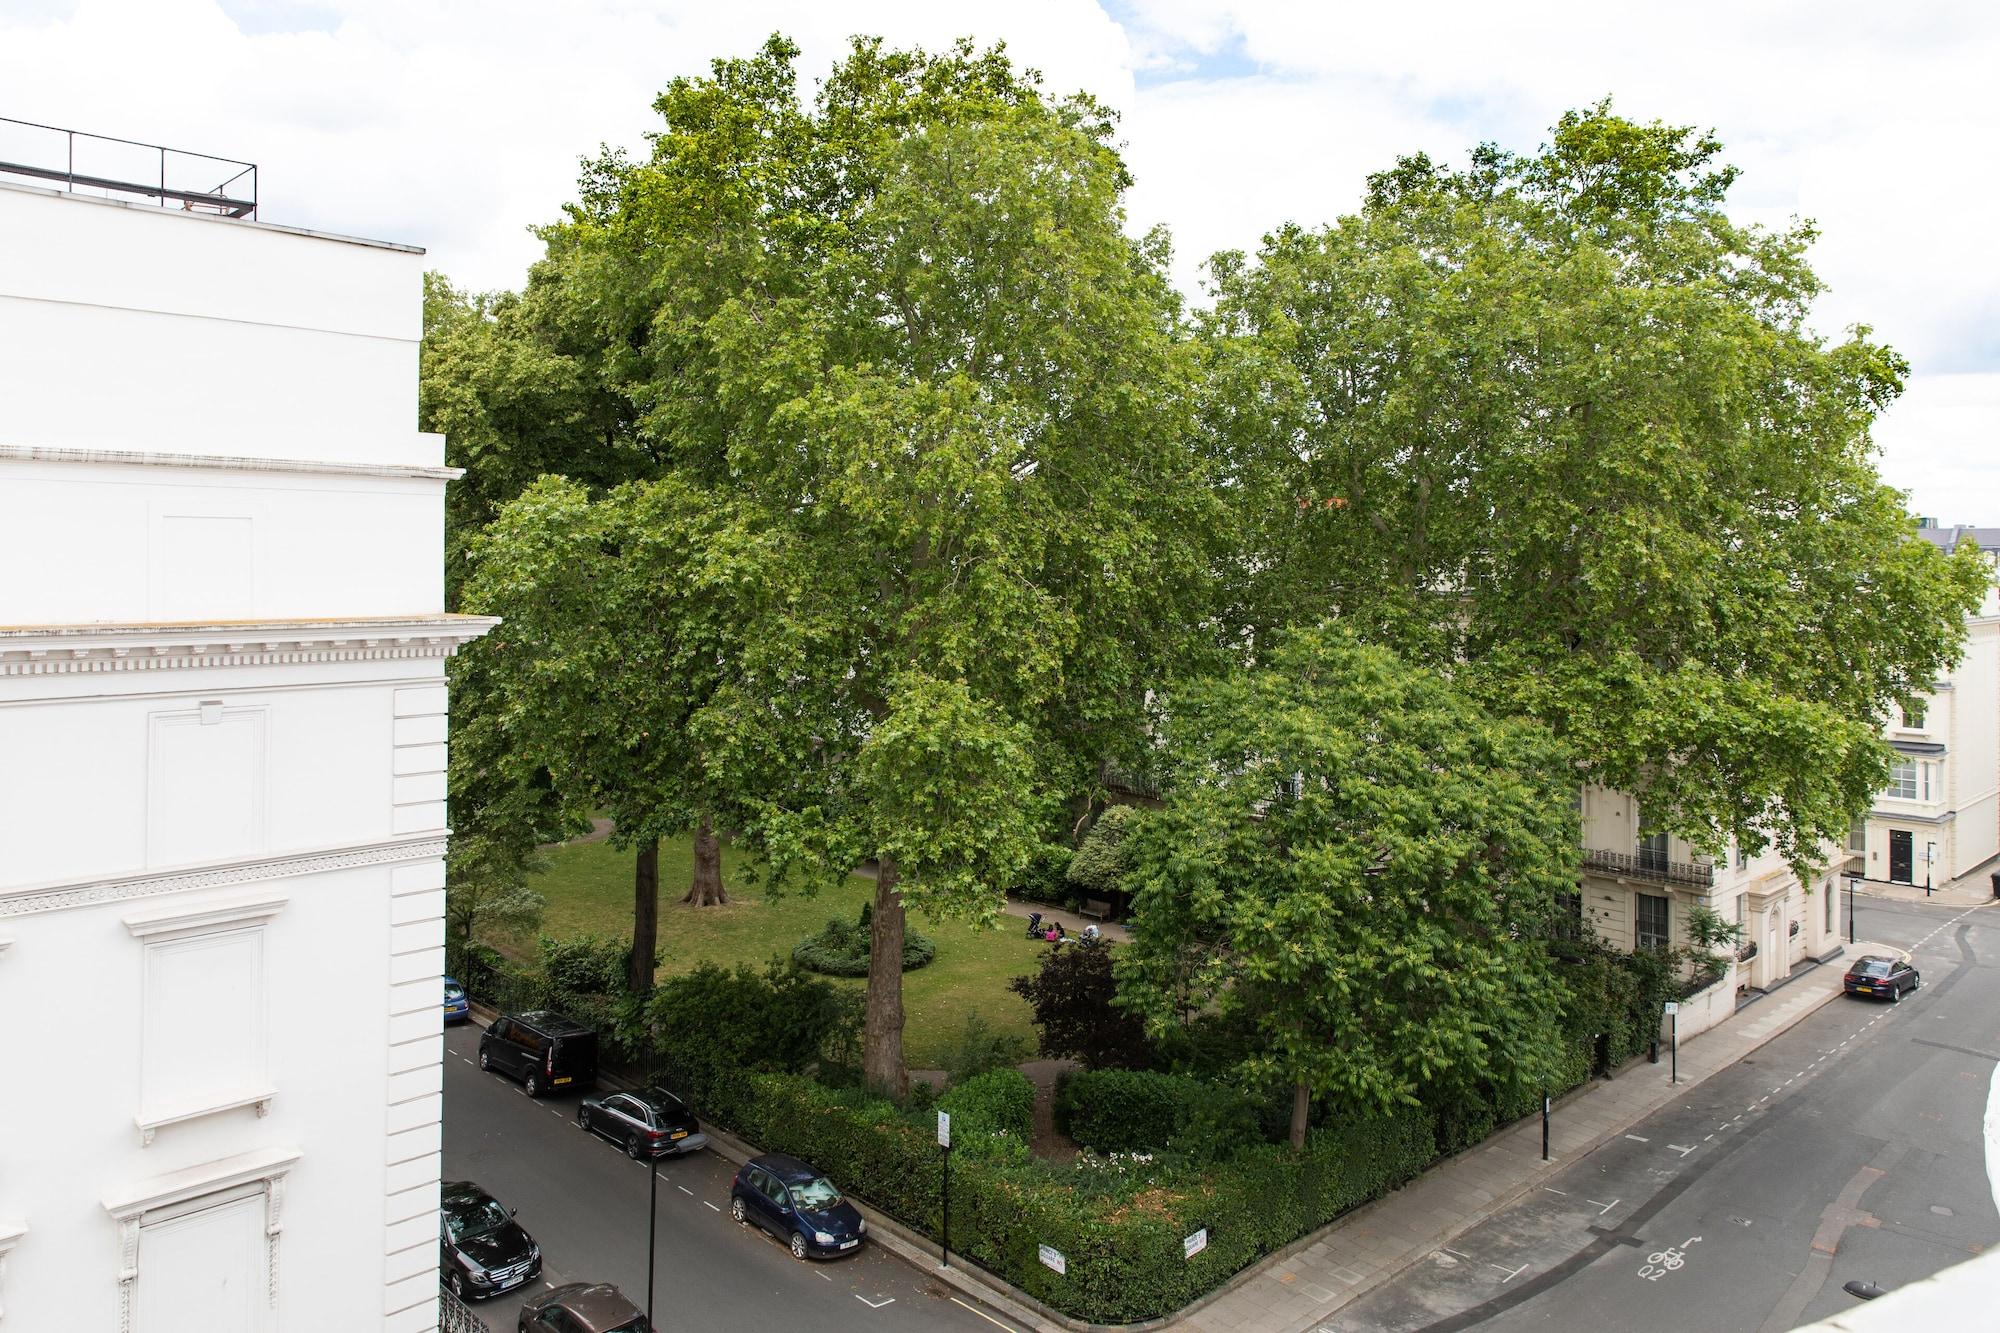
(658, 1102)
(453, 991)
(471, 1218)
(1872, 967)
(815, 1194)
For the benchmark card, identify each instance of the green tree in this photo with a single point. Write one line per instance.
(1557, 423)
(1359, 860)
(1098, 868)
(901, 336)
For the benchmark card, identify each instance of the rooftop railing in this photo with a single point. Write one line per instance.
(125, 168)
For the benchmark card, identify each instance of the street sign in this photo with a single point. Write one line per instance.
(944, 1129)
(1673, 1007)
(1195, 1244)
(1052, 1257)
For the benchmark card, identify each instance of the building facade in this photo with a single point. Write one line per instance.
(222, 776)
(1939, 817)
(1639, 888)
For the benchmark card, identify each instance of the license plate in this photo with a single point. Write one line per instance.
(679, 1134)
(563, 1079)
(849, 1244)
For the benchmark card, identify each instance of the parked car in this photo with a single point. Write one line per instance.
(797, 1205)
(649, 1123)
(485, 1250)
(456, 1007)
(1874, 974)
(542, 1049)
(582, 1307)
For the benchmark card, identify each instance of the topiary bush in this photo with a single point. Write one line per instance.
(841, 950)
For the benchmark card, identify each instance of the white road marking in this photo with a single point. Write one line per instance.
(685, 1190)
(1455, 1252)
(874, 1305)
(1603, 1208)
(1636, 1139)
(822, 1277)
(706, 1204)
(1551, 1189)
(983, 1315)
(1510, 1275)
(1682, 1151)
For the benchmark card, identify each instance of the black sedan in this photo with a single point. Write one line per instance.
(648, 1123)
(485, 1251)
(797, 1205)
(1873, 974)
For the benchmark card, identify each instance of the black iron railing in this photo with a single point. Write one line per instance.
(455, 1316)
(1646, 865)
(100, 163)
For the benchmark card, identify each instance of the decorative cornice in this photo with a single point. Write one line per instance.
(52, 898)
(44, 650)
(205, 914)
(39, 453)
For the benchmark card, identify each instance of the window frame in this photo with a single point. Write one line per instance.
(1661, 940)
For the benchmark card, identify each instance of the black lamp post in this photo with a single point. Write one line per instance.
(1852, 881)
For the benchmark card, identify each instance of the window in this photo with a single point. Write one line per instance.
(1903, 780)
(1743, 909)
(1926, 771)
(1652, 921)
(1742, 857)
(1653, 853)
(1913, 718)
(1857, 837)
(198, 1247)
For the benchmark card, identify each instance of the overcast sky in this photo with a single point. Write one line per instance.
(457, 124)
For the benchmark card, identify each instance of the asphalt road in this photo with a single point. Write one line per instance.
(1850, 1147)
(585, 1202)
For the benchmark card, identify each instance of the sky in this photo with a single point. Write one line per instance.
(457, 125)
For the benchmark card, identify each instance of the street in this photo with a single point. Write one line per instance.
(1852, 1146)
(585, 1202)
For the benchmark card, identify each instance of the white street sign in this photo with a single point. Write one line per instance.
(1673, 1007)
(944, 1129)
(1053, 1258)
(1195, 1244)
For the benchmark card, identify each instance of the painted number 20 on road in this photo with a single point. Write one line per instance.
(1662, 1262)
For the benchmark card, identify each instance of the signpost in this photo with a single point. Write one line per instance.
(1674, 1034)
(652, 1232)
(944, 1142)
(1195, 1244)
(1051, 1257)
(1545, 1125)
(1853, 882)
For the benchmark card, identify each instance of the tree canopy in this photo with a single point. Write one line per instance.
(1358, 859)
(1557, 424)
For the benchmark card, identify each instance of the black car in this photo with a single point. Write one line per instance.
(649, 1123)
(1873, 974)
(541, 1048)
(582, 1307)
(797, 1205)
(485, 1250)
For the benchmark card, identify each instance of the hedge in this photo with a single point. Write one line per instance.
(999, 1101)
(1118, 1224)
(841, 950)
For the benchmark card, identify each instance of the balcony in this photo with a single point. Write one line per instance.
(1647, 865)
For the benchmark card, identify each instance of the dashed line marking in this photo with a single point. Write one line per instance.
(1637, 1139)
(685, 1190)
(1682, 1151)
(822, 1277)
(1456, 1253)
(1551, 1189)
(706, 1204)
(1510, 1275)
(1706, 1137)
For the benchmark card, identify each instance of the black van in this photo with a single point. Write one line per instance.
(542, 1049)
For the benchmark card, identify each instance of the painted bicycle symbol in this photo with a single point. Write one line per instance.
(1662, 1262)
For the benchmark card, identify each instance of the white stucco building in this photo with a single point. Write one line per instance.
(1939, 818)
(222, 790)
(1638, 890)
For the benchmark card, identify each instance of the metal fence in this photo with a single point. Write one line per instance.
(1647, 865)
(115, 168)
(455, 1316)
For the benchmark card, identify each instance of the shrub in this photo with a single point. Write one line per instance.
(841, 950)
(1131, 1110)
(996, 1105)
(710, 1028)
(1098, 869)
(1119, 1228)
(1072, 996)
(586, 965)
(980, 1049)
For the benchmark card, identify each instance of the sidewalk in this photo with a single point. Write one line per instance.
(1374, 1244)
(1968, 890)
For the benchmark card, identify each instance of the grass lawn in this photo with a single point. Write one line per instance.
(589, 892)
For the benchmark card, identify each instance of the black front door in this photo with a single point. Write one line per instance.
(1902, 858)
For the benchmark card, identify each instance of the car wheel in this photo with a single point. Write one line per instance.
(456, 1281)
(632, 1149)
(583, 1118)
(798, 1245)
(736, 1209)
(532, 1085)
(1916, 982)
(485, 1060)
(1896, 995)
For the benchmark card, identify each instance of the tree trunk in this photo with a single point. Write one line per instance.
(882, 1033)
(707, 890)
(645, 916)
(1301, 1103)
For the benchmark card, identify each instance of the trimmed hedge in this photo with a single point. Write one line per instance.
(993, 1113)
(841, 950)
(1133, 1110)
(1120, 1229)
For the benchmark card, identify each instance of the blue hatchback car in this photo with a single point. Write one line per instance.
(796, 1204)
(456, 1008)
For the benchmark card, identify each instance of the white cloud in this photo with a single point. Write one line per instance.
(456, 124)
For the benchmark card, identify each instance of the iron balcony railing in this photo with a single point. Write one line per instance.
(455, 1316)
(99, 163)
(1647, 865)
